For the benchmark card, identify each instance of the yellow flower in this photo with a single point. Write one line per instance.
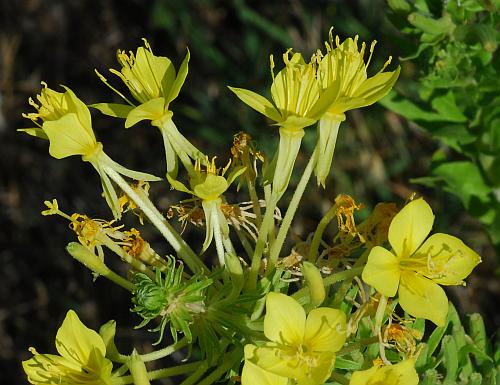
(343, 70)
(81, 358)
(154, 84)
(403, 373)
(295, 91)
(209, 187)
(151, 80)
(414, 268)
(344, 67)
(300, 348)
(299, 101)
(65, 122)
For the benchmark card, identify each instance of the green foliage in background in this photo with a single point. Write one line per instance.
(456, 97)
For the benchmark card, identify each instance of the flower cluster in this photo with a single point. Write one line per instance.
(262, 311)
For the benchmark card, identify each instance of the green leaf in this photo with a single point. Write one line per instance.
(344, 363)
(450, 355)
(115, 110)
(446, 106)
(431, 26)
(477, 332)
(464, 180)
(408, 109)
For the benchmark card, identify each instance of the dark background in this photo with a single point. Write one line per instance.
(62, 41)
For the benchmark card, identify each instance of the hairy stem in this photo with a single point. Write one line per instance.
(264, 229)
(313, 249)
(156, 218)
(290, 212)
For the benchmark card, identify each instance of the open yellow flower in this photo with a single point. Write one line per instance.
(299, 348)
(299, 101)
(402, 373)
(415, 267)
(65, 122)
(81, 358)
(344, 70)
(154, 84)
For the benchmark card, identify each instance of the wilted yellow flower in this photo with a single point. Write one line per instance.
(81, 358)
(65, 121)
(402, 373)
(344, 71)
(300, 348)
(414, 268)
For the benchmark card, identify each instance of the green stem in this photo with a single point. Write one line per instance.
(161, 373)
(264, 229)
(318, 234)
(356, 345)
(196, 374)
(290, 212)
(344, 288)
(228, 361)
(156, 355)
(244, 241)
(169, 372)
(156, 218)
(330, 280)
(250, 179)
(92, 261)
(268, 190)
(124, 256)
(339, 378)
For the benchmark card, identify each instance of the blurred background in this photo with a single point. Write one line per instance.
(63, 41)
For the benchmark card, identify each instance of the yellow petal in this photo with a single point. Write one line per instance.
(156, 73)
(376, 87)
(213, 187)
(325, 330)
(422, 298)
(281, 361)
(151, 110)
(285, 319)
(76, 342)
(75, 105)
(403, 373)
(449, 259)
(254, 375)
(68, 137)
(320, 372)
(410, 227)
(44, 368)
(382, 271)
